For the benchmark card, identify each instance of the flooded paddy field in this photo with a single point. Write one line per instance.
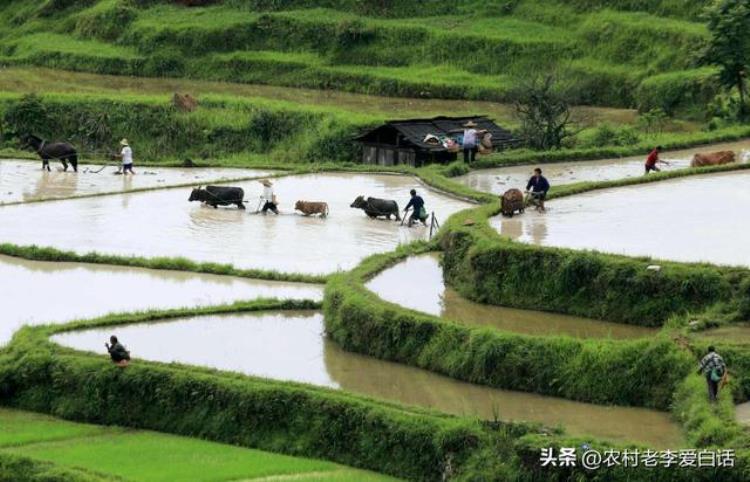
(35, 292)
(164, 223)
(417, 283)
(291, 346)
(499, 180)
(692, 219)
(23, 180)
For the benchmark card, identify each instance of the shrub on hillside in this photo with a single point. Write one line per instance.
(26, 116)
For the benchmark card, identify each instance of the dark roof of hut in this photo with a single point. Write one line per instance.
(413, 131)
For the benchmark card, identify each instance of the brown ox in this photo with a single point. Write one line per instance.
(308, 208)
(511, 201)
(712, 159)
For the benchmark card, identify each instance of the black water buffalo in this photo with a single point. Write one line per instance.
(61, 151)
(375, 207)
(219, 196)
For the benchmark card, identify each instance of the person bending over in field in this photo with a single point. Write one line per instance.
(653, 159)
(713, 367)
(117, 352)
(419, 212)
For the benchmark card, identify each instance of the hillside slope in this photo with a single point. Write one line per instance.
(633, 53)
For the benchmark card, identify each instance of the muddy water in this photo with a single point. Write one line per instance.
(164, 223)
(738, 333)
(742, 413)
(499, 180)
(36, 292)
(417, 283)
(25, 180)
(291, 346)
(697, 218)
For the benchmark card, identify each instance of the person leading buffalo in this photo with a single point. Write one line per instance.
(419, 213)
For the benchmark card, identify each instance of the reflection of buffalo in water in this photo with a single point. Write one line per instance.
(219, 196)
(375, 207)
(61, 151)
(712, 159)
(511, 201)
(309, 207)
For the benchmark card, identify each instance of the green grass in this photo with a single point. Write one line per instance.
(150, 456)
(437, 49)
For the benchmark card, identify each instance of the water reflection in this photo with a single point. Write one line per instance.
(164, 223)
(692, 219)
(417, 283)
(35, 292)
(291, 346)
(501, 179)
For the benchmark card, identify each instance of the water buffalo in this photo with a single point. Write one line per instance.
(712, 158)
(375, 207)
(61, 151)
(219, 196)
(511, 201)
(309, 207)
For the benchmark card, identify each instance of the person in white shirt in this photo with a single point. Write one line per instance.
(126, 154)
(470, 142)
(269, 198)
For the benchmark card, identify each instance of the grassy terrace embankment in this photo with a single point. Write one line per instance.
(614, 54)
(418, 444)
(37, 447)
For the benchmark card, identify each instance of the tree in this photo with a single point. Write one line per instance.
(729, 45)
(544, 113)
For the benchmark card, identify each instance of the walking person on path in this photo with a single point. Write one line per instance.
(714, 369)
(470, 142)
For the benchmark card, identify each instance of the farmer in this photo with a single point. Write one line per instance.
(117, 352)
(470, 142)
(126, 154)
(653, 159)
(714, 368)
(537, 188)
(269, 198)
(419, 213)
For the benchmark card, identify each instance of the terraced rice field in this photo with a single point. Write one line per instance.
(137, 455)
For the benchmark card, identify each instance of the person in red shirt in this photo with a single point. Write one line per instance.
(653, 159)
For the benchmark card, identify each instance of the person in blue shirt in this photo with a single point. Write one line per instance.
(419, 213)
(537, 188)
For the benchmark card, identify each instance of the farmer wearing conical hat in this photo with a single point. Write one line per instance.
(126, 154)
(269, 198)
(470, 141)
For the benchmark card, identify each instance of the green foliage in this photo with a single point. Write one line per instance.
(220, 127)
(729, 46)
(544, 113)
(28, 116)
(678, 92)
(608, 135)
(594, 285)
(429, 48)
(51, 254)
(554, 365)
(17, 468)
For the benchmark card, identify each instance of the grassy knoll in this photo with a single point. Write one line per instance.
(296, 419)
(151, 456)
(432, 48)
